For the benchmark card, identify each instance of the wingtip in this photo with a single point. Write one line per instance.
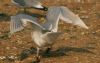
(86, 27)
(83, 26)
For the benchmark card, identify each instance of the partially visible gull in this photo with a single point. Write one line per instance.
(45, 35)
(29, 4)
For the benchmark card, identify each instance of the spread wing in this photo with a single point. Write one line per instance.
(69, 17)
(18, 22)
(59, 12)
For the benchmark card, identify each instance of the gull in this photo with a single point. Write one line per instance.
(45, 35)
(29, 4)
(41, 37)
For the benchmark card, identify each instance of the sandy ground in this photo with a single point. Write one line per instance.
(76, 45)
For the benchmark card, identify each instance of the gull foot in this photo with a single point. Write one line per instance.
(37, 60)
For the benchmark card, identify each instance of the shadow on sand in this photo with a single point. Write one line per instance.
(63, 51)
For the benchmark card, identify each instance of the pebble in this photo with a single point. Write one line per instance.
(84, 17)
(8, 57)
(2, 57)
(93, 32)
(8, 48)
(83, 33)
(83, 11)
(12, 57)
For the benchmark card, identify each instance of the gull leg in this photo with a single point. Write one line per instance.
(25, 10)
(37, 56)
(38, 49)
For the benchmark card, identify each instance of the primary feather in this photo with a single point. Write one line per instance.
(69, 17)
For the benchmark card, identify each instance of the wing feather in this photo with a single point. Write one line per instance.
(60, 12)
(52, 19)
(18, 22)
(15, 25)
(27, 3)
(69, 17)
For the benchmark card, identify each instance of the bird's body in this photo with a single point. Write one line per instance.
(26, 3)
(29, 4)
(44, 39)
(45, 35)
